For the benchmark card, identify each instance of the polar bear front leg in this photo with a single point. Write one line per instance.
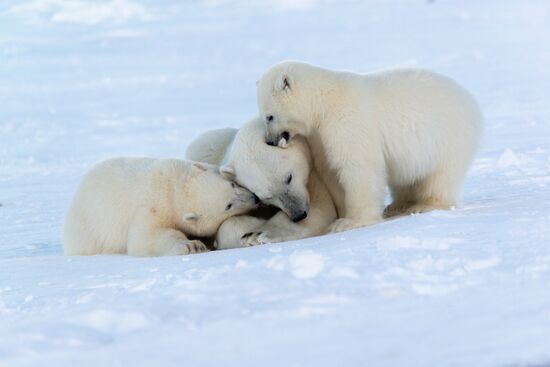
(147, 238)
(268, 235)
(165, 242)
(364, 197)
(231, 231)
(279, 228)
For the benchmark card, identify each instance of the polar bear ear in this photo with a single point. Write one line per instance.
(199, 166)
(228, 172)
(190, 217)
(284, 83)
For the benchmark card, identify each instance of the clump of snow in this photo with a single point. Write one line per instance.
(432, 276)
(302, 264)
(408, 242)
(537, 268)
(144, 286)
(3, 308)
(343, 272)
(321, 305)
(508, 159)
(306, 265)
(109, 321)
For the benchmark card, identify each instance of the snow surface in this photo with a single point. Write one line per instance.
(83, 80)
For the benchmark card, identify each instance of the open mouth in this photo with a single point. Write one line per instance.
(283, 138)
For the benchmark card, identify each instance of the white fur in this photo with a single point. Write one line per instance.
(148, 207)
(264, 170)
(413, 130)
(231, 231)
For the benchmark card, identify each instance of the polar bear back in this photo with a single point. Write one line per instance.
(425, 120)
(111, 186)
(211, 146)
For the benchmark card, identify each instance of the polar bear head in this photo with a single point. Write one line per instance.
(206, 199)
(277, 176)
(290, 100)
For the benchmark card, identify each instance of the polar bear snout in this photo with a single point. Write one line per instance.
(280, 139)
(295, 208)
(271, 140)
(274, 131)
(299, 217)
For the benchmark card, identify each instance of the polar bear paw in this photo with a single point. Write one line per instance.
(196, 246)
(188, 247)
(256, 238)
(347, 224)
(343, 224)
(397, 208)
(424, 208)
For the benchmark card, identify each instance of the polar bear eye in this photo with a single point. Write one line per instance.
(232, 185)
(289, 179)
(228, 206)
(269, 118)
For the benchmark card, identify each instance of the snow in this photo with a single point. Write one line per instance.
(84, 80)
(80, 12)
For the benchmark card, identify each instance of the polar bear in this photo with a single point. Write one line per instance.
(150, 207)
(281, 178)
(412, 130)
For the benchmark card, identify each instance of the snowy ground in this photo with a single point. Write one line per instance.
(83, 80)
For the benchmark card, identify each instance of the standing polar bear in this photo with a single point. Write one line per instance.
(413, 130)
(148, 207)
(282, 178)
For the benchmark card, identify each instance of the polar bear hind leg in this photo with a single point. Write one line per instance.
(437, 191)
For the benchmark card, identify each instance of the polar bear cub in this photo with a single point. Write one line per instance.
(149, 207)
(412, 130)
(282, 178)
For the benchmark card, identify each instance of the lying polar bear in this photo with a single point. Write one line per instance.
(148, 207)
(282, 178)
(413, 130)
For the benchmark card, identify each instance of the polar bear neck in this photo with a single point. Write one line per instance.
(326, 108)
(320, 93)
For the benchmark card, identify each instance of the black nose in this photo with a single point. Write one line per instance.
(256, 199)
(285, 135)
(299, 217)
